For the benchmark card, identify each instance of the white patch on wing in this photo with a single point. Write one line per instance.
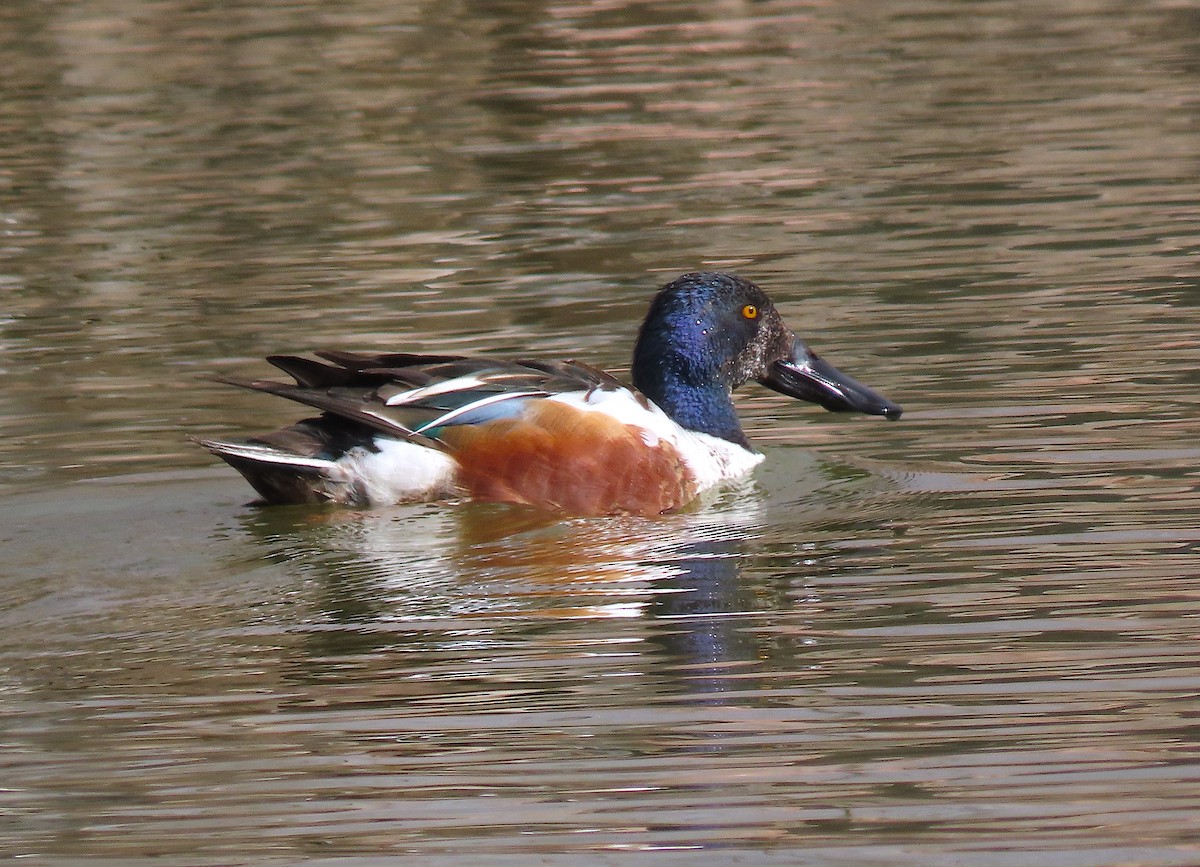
(400, 472)
(460, 383)
(710, 459)
(475, 405)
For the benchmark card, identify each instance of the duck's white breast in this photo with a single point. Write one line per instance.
(709, 459)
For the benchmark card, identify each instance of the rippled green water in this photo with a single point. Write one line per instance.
(965, 638)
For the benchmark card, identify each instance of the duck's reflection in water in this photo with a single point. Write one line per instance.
(666, 595)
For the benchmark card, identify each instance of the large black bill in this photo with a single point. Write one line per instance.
(809, 377)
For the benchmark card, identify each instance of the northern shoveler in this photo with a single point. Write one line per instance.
(562, 435)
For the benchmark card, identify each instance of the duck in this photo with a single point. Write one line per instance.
(564, 436)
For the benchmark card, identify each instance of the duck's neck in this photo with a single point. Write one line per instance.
(692, 400)
(677, 360)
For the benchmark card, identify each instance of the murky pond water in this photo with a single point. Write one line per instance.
(967, 637)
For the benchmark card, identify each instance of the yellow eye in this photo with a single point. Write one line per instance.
(750, 311)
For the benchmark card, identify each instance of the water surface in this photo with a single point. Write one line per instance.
(967, 637)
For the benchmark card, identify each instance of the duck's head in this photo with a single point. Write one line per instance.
(707, 333)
